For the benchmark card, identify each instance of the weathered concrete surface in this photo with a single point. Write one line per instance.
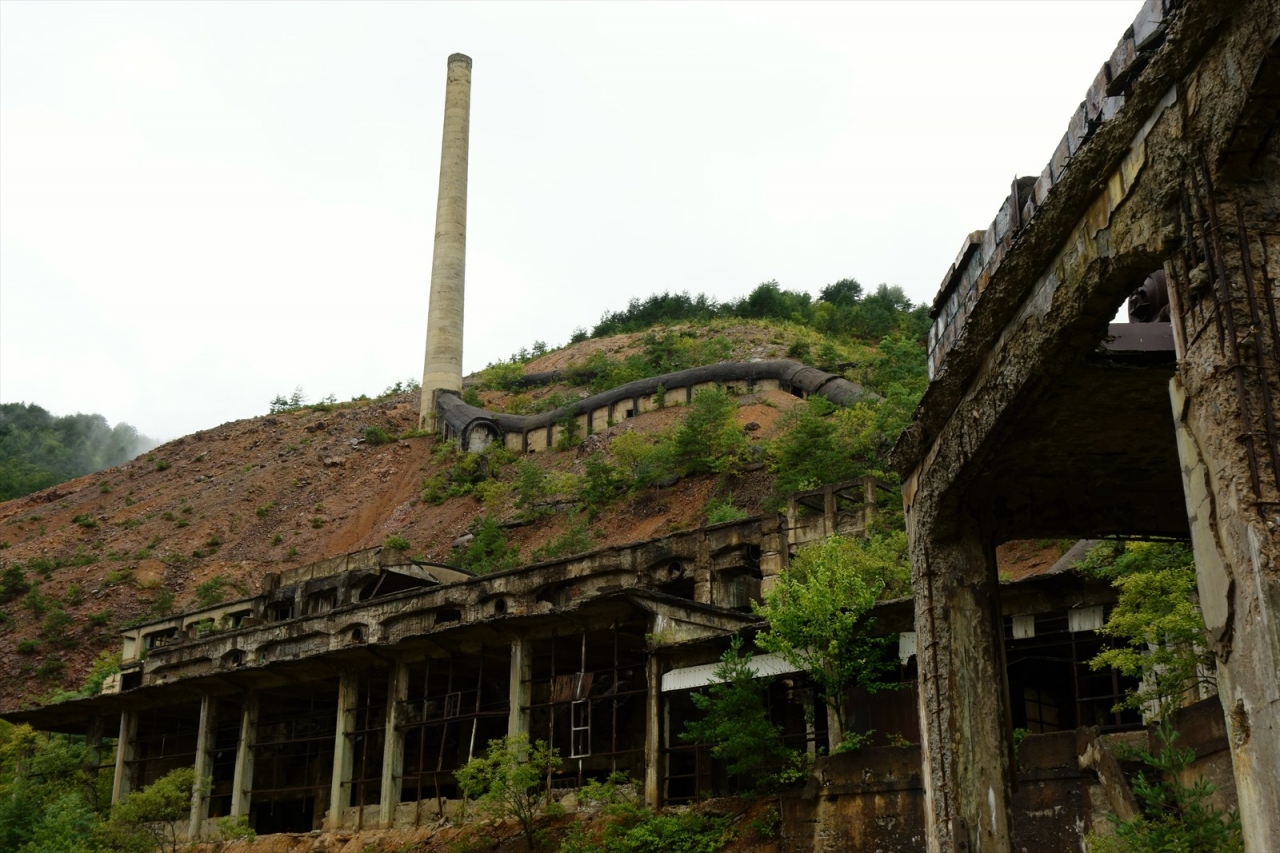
(442, 366)
(965, 724)
(1025, 326)
(874, 799)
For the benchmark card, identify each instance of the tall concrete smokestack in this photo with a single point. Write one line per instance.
(442, 368)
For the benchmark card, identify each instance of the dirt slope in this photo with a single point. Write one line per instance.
(254, 496)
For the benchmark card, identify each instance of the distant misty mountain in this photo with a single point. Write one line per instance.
(38, 450)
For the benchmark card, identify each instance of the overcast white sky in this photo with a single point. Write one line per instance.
(203, 205)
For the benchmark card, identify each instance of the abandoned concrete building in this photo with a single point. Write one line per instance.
(347, 693)
(1166, 180)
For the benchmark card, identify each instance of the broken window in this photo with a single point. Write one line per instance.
(587, 699)
(456, 705)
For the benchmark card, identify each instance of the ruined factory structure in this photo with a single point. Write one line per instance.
(1040, 421)
(347, 693)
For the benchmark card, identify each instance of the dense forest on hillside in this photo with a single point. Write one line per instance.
(38, 449)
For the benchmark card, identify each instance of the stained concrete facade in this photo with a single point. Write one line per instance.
(1036, 424)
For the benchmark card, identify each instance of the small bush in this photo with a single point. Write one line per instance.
(13, 583)
(722, 510)
(377, 435)
(51, 668)
(265, 509)
(118, 576)
(100, 619)
(277, 539)
(163, 464)
(28, 647)
(316, 522)
(575, 540)
(395, 543)
(55, 629)
(211, 592)
(36, 603)
(488, 550)
(88, 522)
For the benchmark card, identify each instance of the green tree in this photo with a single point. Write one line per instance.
(148, 819)
(1174, 817)
(38, 450)
(488, 550)
(736, 721)
(506, 782)
(817, 614)
(710, 440)
(1156, 625)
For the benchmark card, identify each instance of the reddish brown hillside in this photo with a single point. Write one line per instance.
(252, 496)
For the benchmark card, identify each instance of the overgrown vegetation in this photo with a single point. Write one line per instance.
(38, 449)
(1156, 626)
(506, 782)
(1158, 636)
(50, 802)
(1173, 815)
(841, 309)
(817, 614)
(736, 724)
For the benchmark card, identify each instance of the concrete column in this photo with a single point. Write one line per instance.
(393, 743)
(964, 716)
(343, 755)
(121, 785)
(93, 744)
(205, 736)
(442, 367)
(653, 734)
(242, 778)
(518, 687)
(93, 755)
(868, 502)
(1236, 565)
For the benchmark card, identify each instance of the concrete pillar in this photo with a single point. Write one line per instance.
(868, 503)
(773, 550)
(205, 737)
(125, 746)
(393, 743)
(442, 367)
(518, 687)
(343, 754)
(966, 734)
(1236, 571)
(242, 778)
(93, 756)
(653, 734)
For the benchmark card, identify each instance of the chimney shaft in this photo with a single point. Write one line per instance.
(442, 367)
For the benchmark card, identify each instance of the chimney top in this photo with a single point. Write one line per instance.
(460, 57)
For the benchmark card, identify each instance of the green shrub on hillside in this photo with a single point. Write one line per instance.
(488, 550)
